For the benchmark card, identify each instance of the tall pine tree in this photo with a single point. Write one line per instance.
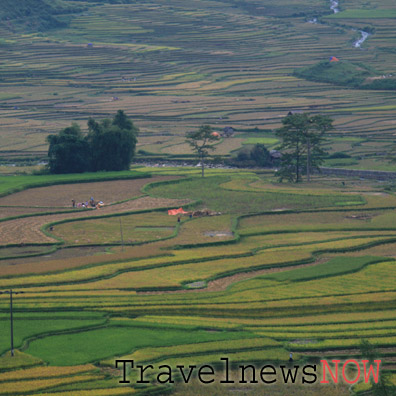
(302, 137)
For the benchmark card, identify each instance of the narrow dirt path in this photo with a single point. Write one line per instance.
(27, 230)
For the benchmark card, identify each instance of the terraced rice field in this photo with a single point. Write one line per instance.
(308, 269)
(123, 196)
(264, 278)
(173, 66)
(110, 192)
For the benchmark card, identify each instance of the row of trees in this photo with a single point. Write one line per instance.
(204, 140)
(302, 137)
(109, 146)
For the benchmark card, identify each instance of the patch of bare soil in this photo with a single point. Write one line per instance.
(109, 371)
(27, 230)
(372, 193)
(60, 196)
(376, 194)
(220, 234)
(304, 341)
(359, 217)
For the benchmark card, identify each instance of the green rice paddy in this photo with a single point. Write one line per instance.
(292, 271)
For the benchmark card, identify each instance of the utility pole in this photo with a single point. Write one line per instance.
(122, 236)
(10, 292)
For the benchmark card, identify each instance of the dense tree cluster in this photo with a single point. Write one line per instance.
(255, 156)
(302, 137)
(109, 146)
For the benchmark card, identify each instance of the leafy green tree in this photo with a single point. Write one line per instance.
(384, 387)
(292, 135)
(68, 151)
(260, 155)
(314, 136)
(112, 143)
(202, 141)
(256, 156)
(302, 138)
(109, 146)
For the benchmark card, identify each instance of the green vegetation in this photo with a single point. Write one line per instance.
(307, 268)
(364, 14)
(28, 326)
(18, 361)
(334, 267)
(356, 75)
(85, 346)
(38, 15)
(237, 201)
(385, 385)
(201, 142)
(283, 268)
(135, 228)
(302, 138)
(256, 156)
(68, 151)
(109, 146)
(342, 72)
(166, 69)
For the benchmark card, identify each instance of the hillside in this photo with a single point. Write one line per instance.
(35, 15)
(356, 75)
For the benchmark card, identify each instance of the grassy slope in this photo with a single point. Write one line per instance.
(35, 15)
(238, 202)
(339, 73)
(345, 73)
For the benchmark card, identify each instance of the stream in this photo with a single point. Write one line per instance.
(358, 43)
(364, 37)
(334, 6)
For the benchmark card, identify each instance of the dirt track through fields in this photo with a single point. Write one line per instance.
(27, 230)
(60, 196)
(20, 211)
